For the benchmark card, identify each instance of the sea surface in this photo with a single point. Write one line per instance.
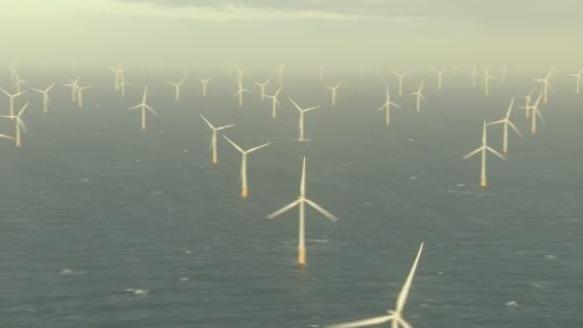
(91, 207)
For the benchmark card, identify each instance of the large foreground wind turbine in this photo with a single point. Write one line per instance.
(302, 111)
(483, 150)
(215, 130)
(244, 153)
(45, 95)
(506, 123)
(144, 108)
(301, 203)
(395, 317)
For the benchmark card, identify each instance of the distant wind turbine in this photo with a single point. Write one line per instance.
(506, 123)
(535, 114)
(80, 90)
(301, 203)
(302, 111)
(144, 108)
(334, 93)
(487, 78)
(244, 153)
(419, 97)
(213, 147)
(177, 85)
(74, 85)
(387, 107)
(401, 78)
(11, 99)
(240, 92)
(546, 85)
(440, 74)
(578, 76)
(275, 102)
(205, 86)
(395, 317)
(483, 150)
(280, 70)
(45, 95)
(18, 125)
(262, 86)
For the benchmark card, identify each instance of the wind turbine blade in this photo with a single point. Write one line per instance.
(311, 108)
(136, 107)
(322, 211)
(495, 152)
(152, 110)
(295, 104)
(404, 294)
(225, 127)
(539, 114)
(22, 125)
(234, 144)
(473, 153)
(22, 109)
(6, 137)
(404, 323)
(207, 122)
(514, 128)
(5, 92)
(496, 122)
(283, 209)
(258, 147)
(365, 322)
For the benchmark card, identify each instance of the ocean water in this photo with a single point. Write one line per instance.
(90, 206)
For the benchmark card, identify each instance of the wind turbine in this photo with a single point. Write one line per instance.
(122, 86)
(274, 102)
(395, 317)
(118, 76)
(144, 108)
(18, 83)
(214, 151)
(205, 86)
(483, 149)
(280, 70)
(301, 203)
(527, 100)
(419, 97)
(18, 125)
(334, 92)
(506, 123)
(475, 73)
(80, 90)
(440, 74)
(535, 114)
(388, 106)
(244, 153)
(262, 86)
(578, 76)
(302, 111)
(74, 85)
(240, 92)
(11, 98)
(401, 78)
(177, 86)
(546, 85)
(487, 78)
(46, 98)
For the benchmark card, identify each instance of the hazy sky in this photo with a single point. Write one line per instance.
(297, 31)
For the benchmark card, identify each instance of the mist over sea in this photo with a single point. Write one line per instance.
(90, 206)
